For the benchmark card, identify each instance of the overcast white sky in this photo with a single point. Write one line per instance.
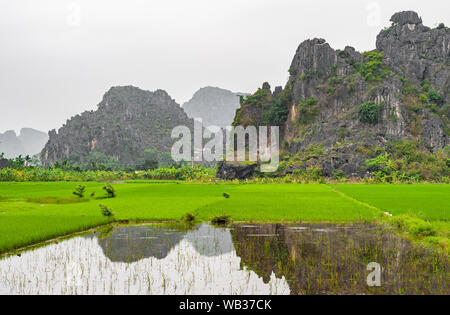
(58, 57)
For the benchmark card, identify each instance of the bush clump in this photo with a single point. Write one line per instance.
(373, 68)
(79, 191)
(221, 219)
(110, 191)
(414, 226)
(106, 212)
(369, 112)
(307, 110)
(190, 217)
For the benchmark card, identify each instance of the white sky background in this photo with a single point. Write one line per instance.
(58, 57)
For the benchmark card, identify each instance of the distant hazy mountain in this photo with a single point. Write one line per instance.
(29, 142)
(215, 106)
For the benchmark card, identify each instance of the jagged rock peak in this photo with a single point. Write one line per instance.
(407, 77)
(129, 90)
(406, 17)
(266, 86)
(118, 96)
(315, 41)
(122, 89)
(416, 51)
(131, 125)
(313, 55)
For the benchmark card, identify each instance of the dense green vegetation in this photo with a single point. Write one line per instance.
(399, 161)
(34, 212)
(307, 110)
(418, 98)
(258, 102)
(373, 68)
(369, 112)
(279, 112)
(421, 211)
(408, 161)
(263, 108)
(39, 174)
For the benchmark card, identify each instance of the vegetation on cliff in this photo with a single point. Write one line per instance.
(356, 106)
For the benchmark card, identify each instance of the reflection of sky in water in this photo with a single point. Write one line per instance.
(201, 261)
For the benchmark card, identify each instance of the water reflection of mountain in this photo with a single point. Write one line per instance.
(327, 259)
(210, 241)
(133, 243)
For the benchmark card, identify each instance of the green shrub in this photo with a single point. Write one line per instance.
(307, 110)
(369, 112)
(423, 98)
(338, 174)
(373, 68)
(221, 219)
(435, 97)
(335, 81)
(279, 112)
(79, 191)
(426, 85)
(314, 173)
(105, 211)
(110, 191)
(381, 162)
(190, 217)
(414, 226)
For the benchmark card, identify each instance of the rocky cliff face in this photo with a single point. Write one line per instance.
(215, 106)
(129, 127)
(28, 142)
(345, 100)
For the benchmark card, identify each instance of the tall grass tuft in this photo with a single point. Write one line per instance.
(221, 219)
(106, 212)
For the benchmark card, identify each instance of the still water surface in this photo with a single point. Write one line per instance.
(241, 259)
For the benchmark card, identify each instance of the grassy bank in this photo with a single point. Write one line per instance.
(421, 212)
(33, 212)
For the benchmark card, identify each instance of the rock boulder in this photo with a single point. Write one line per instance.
(235, 171)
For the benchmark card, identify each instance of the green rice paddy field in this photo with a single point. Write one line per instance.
(33, 212)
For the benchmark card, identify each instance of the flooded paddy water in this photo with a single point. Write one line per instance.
(240, 259)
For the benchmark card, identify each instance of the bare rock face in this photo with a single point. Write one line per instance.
(4, 163)
(129, 126)
(407, 77)
(234, 171)
(406, 17)
(331, 79)
(416, 51)
(433, 133)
